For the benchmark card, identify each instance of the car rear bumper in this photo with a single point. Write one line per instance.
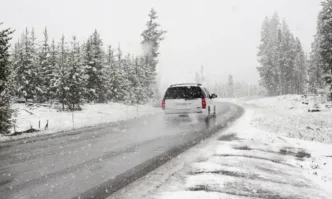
(186, 112)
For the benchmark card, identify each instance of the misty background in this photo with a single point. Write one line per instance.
(223, 36)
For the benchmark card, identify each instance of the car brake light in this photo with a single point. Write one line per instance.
(163, 103)
(203, 103)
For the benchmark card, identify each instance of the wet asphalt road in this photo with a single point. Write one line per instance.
(94, 162)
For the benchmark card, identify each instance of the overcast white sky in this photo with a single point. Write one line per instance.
(221, 35)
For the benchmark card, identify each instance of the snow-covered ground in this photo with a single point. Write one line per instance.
(288, 116)
(92, 114)
(250, 159)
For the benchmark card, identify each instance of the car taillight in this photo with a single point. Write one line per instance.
(203, 103)
(163, 103)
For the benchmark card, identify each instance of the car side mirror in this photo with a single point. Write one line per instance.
(213, 96)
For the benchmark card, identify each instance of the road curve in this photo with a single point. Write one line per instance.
(95, 162)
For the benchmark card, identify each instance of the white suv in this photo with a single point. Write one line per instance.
(189, 99)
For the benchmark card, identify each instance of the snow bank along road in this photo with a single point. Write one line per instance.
(95, 162)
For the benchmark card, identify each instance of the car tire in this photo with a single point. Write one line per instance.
(207, 118)
(209, 111)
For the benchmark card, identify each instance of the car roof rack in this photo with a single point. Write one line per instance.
(186, 84)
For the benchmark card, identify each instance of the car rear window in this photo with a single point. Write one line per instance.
(190, 92)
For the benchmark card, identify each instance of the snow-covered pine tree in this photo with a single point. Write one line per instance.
(132, 79)
(53, 72)
(120, 80)
(230, 86)
(152, 37)
(277, 52)
(75, 78)
(116, 75)
(307, 74)
(61, 86)
(88, 57)
(140, 93)
(146, 82)
(288, 54)
(95, 69)
(238, 89)
(26, 70)
(280, 64)
(299, 69)
(110, 72)
(315, 72)
(37, 75)
(266, 70)
(110, 57)
(5, 111)
(137, 80)
(324, 42)
(14, 60)
(47, 72)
